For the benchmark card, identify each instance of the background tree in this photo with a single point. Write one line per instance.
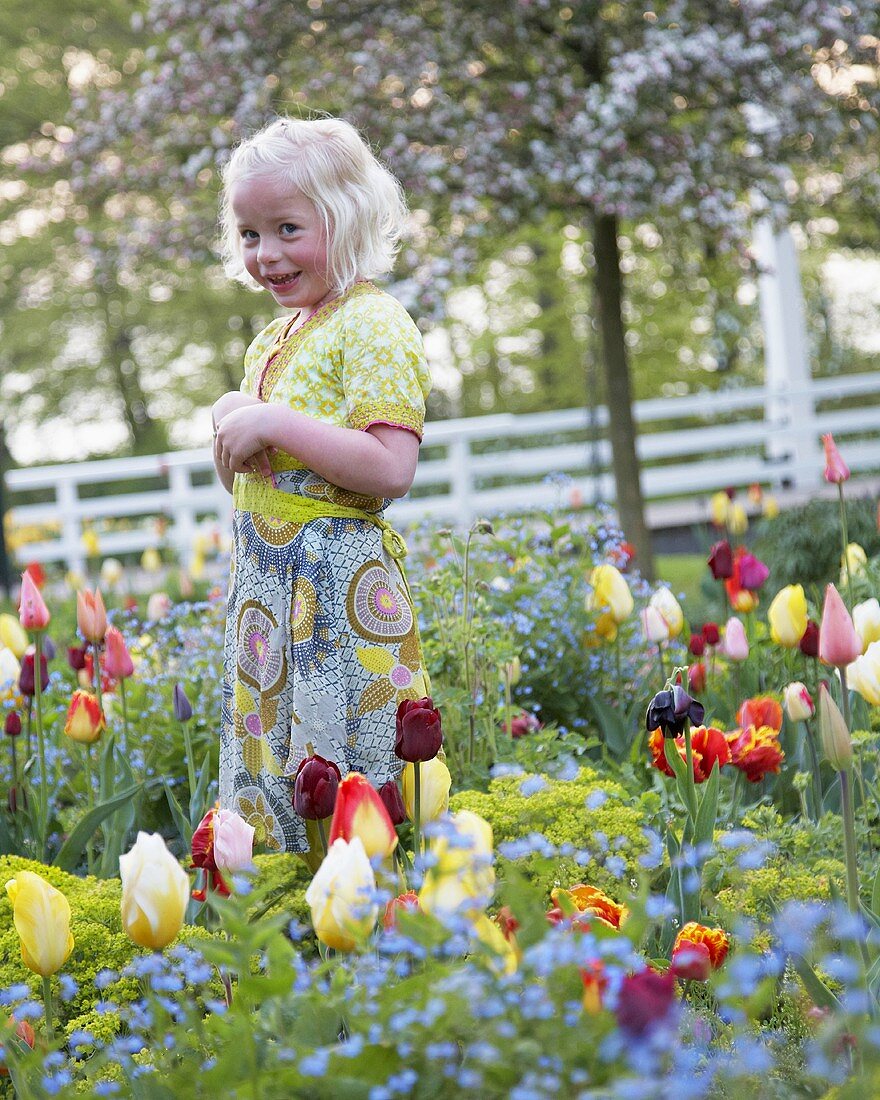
(498, 114)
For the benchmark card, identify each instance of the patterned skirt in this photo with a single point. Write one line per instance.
(321, 646)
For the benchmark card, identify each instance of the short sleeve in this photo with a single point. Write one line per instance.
(385, 374)
(257, 353)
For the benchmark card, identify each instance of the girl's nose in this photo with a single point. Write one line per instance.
(268, 250)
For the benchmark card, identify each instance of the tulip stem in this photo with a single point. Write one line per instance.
(41, 743)
(124, 745)
(90, 801)
(417, 809)
(845, 536)
(814, 766)
(47, 1008)
(691, 787)
(849, 842)
(662, 662)
(322, 834)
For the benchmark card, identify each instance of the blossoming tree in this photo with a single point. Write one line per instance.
(671, 112)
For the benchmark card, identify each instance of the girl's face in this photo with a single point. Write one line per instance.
(283, 243)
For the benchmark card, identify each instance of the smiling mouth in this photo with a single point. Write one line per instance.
(280, 282)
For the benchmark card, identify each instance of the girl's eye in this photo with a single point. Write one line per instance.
(288, 228)
(248, 235)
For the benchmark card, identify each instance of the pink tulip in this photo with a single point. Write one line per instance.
(32, 611)
(736, 645)
(752, 572)
(836, 470)
(233, 841)
(117, 660)
(839, 642)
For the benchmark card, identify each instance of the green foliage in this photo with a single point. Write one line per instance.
(803, 545)
(588, 812)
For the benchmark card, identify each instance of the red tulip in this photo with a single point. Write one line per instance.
(202, 850)
(12, 725)
(117, 659)
(76, 657)
(711, 633)
(315, 788)
(32, 611)
(418, 734)
(836, 470)
(839, 643)
(405, 903)
(697, 645)
(37, 572)
(27, 677)
(697, 676)
(360, 812)
(85, 720)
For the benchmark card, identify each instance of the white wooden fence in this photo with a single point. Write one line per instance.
(689, 447)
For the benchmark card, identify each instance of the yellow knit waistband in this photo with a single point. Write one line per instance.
(252, 493)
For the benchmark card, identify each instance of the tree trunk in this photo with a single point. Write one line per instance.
(621, 426)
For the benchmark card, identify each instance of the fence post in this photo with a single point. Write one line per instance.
(789, 409)
(461, 486)
(71, 529)
(184, 532)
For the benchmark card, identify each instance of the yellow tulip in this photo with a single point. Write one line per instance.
(9, 670)
(434, 784)
(866, 618)
(12, 635)
(771, 508)
(151, 560)
(155, 892)
(462, 879)
(855, 558)
(42, 919)
(91, 543)
(505, 951)
(787, 615)
(472, 846)
(670, 610)
(719, 506)
(737, 520)
(341, 896)
(863, 675)
(609, 592)
(112, 572)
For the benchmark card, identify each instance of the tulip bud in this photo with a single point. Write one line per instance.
(654, 626)
(809, 643)
(111, 572)
(27, 681)
(787, 616)
(697, 645)
(12, 725)
(155, 892)
(85, 720)
(866, 620)
(836, 740)
(855, 559)
(836, 470)
(315, 788)
(76, 657)
(91, 615)
(117, 660)
(361, 813)
(736, 645)
(32, 611)
(670, 610)
(609, 592)
(392, 800)
(721, 560)
(719, 506)
(404, 903)
(182, 707)
(10, 671)
(711, 633)
(233, 842)
(697, 676)
(418, 733)
(839, 644)
(434, 784)
(13, 635)
(798, 703)
(752, 572)
(41, 915)
(341, 896)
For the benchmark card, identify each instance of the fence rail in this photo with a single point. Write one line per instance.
(688, 448)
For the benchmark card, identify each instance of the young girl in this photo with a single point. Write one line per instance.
(322, 642)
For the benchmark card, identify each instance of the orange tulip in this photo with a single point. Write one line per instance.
(360, 812)
(589, 899)
(91, 616)
(698, 951)
(85, 721)
(117, 660)
(32, 611)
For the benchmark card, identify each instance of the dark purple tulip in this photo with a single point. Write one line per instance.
(418, 734)
(76, 657)
(12, 725)
(721, 560)
(809, 643)
(182, 706)
(392, 800)
(314, 791)
(669, 710)
(27, 680)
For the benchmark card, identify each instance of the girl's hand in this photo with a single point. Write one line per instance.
(240, 443)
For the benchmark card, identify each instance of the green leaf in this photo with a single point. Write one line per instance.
(7, 844)
(612, 725)
(875, 895)
(73, 848)
(183, 826)
(704, 830)
(817, 989)
(196, 810)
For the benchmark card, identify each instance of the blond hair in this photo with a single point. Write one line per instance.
(360, 202)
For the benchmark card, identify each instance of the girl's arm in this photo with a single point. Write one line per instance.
(234, 399)
(379, 462)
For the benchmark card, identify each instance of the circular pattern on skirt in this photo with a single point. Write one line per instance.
(376, 607)
(302, 610)
(274, 531)
(260, 665)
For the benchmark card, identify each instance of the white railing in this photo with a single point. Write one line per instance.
(688, 446)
